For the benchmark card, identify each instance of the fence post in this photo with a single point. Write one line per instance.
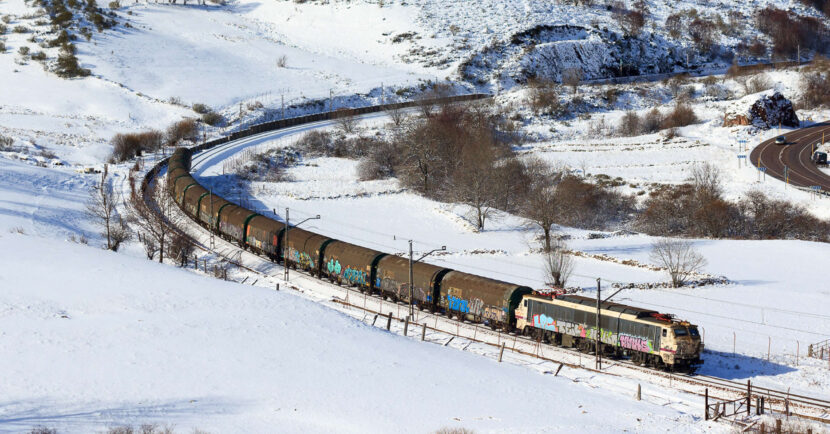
(639, 392)
(810, 350)
(748, 396)
(778, 426)
(706, 405)
(501, 352)
(406, 326)
(423, 332)
(373, 321)
(389, 322)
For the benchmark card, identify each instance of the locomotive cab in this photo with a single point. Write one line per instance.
(680, 345)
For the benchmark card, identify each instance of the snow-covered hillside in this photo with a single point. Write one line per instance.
(92, 339)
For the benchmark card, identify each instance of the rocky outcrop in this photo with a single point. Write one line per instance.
(772, 111)
(733, 120)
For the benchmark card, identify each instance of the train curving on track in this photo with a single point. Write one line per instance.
(645, 336)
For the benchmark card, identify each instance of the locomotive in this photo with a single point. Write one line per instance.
(645, 336)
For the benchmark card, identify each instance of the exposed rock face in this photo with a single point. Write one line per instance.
(732, 120)
(771, 111)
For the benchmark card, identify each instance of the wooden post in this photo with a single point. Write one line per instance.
(777, 426)
(278, 286)
(706, 404)
(501, 352)
(748, 396)
(423, 332)
(763, 428)
(558, 369)
(406, 326)
(373, 321)
(639, 392)
(389, 322)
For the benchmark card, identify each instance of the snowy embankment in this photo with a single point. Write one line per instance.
(92, 339)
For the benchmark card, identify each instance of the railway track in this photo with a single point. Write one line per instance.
(354, 301)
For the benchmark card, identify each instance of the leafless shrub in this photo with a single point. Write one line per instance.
(43, 430)
(6, 143)
(201, 108)
(213, 118)
(681, 116)
(544, 99)
(180, 247)
(447, 430)
(346, 119)
(630, 124)
(79, 239)
(128, 145)
(282, 61)
(315, 142)
(17, 230)
(558, 264)
(630, 20)
(678, 257)
(397, 115)
(651, 121)
(182, 130)
(380, 163)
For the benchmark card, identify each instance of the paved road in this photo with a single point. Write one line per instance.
(795, 156)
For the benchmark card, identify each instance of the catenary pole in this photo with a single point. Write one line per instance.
(596, 336)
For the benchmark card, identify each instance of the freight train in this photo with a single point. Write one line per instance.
(645, 336)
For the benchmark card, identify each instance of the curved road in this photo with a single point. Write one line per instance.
(795, 156)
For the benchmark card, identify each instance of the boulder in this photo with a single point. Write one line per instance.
(772, 111)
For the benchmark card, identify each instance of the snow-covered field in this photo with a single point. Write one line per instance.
(91, 339)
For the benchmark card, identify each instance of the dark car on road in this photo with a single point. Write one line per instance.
(819, 158)
(781, 140)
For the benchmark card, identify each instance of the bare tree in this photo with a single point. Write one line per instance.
(475, 181)
(101, 207)
(155, 221)
(678, 257)
(541, 202)
(397, 115)
(707, 182)
(346, 119)
(558, 264)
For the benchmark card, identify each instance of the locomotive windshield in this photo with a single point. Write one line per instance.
(693, 331)
(680, 332)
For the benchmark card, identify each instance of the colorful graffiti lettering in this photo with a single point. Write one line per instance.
(301, 258)
(354, 276)
(543, 321)
(636, 343)
(333, 266)
(456, 303)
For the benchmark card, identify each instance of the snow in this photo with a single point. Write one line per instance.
(91, 339)
(128, 342)
(774, 303)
